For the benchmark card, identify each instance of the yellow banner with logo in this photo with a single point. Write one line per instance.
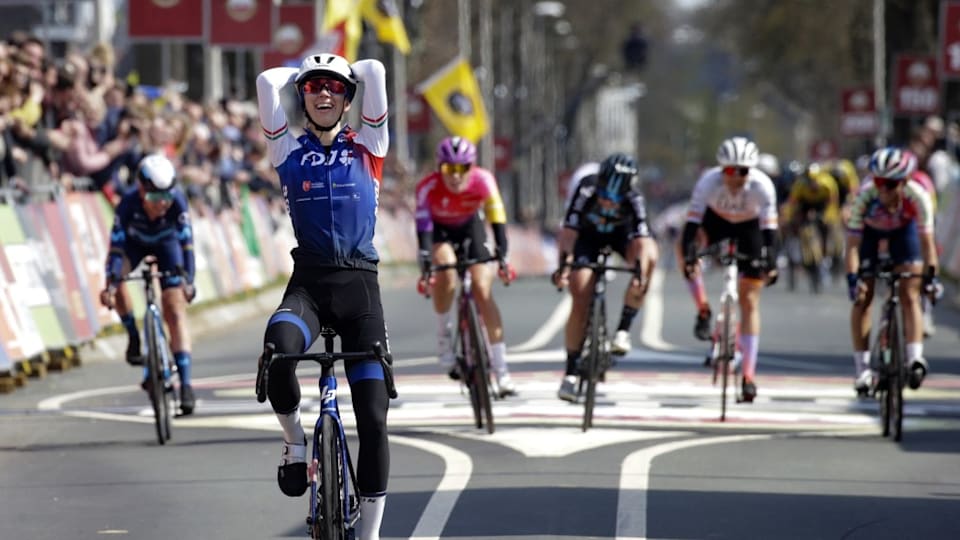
(386, 21)
(454, 95)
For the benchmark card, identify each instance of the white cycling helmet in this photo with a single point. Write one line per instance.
(156, 173)
(892, 162)
(738, 152)
(327, 64)
(769, 164)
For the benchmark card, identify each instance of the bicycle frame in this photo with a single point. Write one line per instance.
(596, 361)
(471, 335)
(157, 370)
(723, 348)
(888, 356)
(329, 408)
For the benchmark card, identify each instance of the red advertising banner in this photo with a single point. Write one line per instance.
(418, 113)
(950, 40)
(858, 112)
(916, 90)
(502, 153)
(164, 19)
(241, 22)
(293, 34)
(823, 149)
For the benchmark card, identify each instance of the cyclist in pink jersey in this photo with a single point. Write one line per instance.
(449, 224)
(890, 206)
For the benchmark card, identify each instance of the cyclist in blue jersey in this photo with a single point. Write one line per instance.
(154, 219)
(330, 177)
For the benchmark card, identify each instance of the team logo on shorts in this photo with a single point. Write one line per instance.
(306, 185)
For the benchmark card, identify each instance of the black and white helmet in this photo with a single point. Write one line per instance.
(738, 152)
(156, 173)
(330, 65)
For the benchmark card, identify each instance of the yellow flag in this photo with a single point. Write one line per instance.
(454, 95)
(342, 17)
(383, 16)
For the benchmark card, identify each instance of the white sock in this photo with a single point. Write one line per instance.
(498, 357)
(292, 430)
(444, 321)
(748, 346)
(371, 514)
(914, 350)
(861, 361)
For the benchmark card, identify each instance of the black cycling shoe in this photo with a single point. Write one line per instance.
(748, 391)
(454, 373)
(134, 357)
(187, 400)
(701, 329)
(292, 473)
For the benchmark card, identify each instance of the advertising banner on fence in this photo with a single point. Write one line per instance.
(17, 329)
(91, 252)
(165, 19)
(916, 88)
(241, 23)
(858, 112)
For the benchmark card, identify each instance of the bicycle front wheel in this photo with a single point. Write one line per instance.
(156, 380)
(481, 367)
(329, 523)
(896, 377)
(597, 348)
(727, 350)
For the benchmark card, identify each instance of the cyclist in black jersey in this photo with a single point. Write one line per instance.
(607, 209)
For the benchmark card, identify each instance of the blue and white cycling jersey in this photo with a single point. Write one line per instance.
(331, 192)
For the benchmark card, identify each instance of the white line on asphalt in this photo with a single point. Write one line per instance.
(652, 329)
(635, 481)
(458, 467)
(545, 333)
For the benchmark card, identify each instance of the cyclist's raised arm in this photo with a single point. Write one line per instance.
(373, 134)
(274, 86)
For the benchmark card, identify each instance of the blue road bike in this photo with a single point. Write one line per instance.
(334, 509)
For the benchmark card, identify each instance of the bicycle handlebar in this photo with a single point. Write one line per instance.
(460, 266)
(325, 359)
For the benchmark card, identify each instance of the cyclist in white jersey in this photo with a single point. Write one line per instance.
(738, 201)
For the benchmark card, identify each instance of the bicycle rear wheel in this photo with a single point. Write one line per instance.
(159, 399)
(481, 367)
(727, 350)
(598, 332)
(329, 522)
(896, 374)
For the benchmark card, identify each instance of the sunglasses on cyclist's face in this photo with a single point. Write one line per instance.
(159, 196)
(315, 86)
(887, 183)
(454, 168)
(736, 171)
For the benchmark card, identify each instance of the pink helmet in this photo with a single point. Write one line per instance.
(456, 150)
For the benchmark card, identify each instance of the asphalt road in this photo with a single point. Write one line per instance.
(78, 457)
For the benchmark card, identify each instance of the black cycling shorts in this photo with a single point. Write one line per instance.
(468, 240)
(747, 236)
(589, 244)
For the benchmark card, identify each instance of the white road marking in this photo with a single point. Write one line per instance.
(536, 442)
(635, 481)
(458, 468)
(550, 328)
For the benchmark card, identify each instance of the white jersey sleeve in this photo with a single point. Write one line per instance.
(271, 85)
(373, 134)
(706, 185)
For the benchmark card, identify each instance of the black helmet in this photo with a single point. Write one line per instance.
(618, 174)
